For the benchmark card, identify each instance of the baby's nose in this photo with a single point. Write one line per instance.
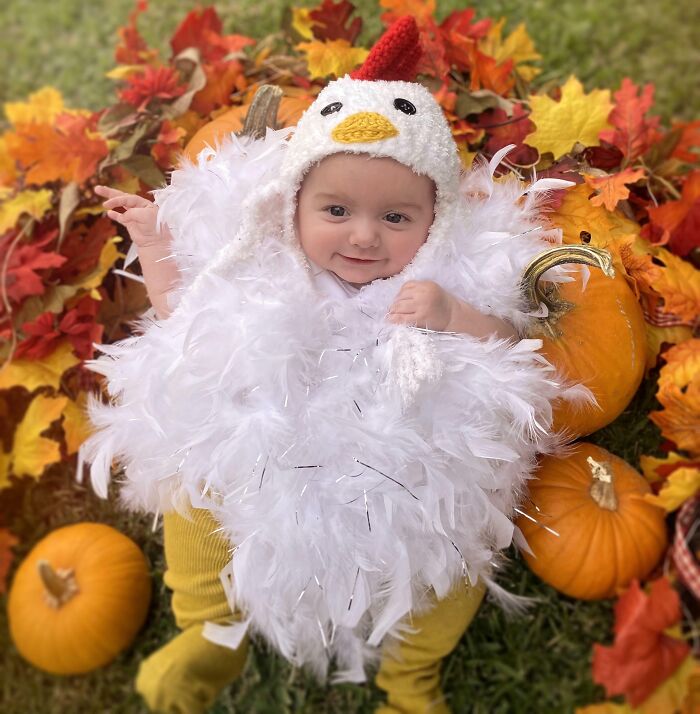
(364, 235)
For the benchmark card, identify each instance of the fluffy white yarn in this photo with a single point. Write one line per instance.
(352, 463)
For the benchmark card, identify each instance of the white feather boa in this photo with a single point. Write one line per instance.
(353, 464)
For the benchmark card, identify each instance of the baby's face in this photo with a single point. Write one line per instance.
(363, 217)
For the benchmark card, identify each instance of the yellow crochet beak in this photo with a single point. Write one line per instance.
(363, 128)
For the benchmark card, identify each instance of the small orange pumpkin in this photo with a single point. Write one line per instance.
(78, 599)
(288, 114)
(594, 336)
(594, 531)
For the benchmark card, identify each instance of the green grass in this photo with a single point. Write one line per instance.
(70, 43)
(536, 663)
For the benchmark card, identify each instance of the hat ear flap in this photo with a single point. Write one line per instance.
(395, 55)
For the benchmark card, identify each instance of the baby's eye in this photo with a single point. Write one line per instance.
(337, 211)
(394, 217)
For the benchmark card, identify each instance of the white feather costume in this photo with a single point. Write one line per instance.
(353, 464)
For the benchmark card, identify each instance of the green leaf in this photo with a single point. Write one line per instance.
(146, 169)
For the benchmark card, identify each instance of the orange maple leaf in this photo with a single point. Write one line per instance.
(222, 79)
(689, 139)
(642, 655)
(422, 10)
(678, 285)
(133, 48)
(679, 395)
(7, 541)
(67, 151)
(612, 188)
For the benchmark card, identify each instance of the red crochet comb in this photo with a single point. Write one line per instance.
(395, 55)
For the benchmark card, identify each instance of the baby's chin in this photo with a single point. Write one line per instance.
(359, 275)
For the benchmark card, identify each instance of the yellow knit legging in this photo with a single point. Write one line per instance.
(186, 675)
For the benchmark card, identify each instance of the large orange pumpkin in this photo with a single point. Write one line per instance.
(594, 532)
(594, 336)
(288, 113)
(78, 599)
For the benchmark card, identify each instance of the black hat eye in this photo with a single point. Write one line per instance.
(403, 105)
(331, 108)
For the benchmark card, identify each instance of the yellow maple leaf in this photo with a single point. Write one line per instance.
(302, 22)
(334, 57)
(656, 336)
(42, 107)
(518, 46)
(650, 465)
(31, 452)
(76, 425)
(679, 285)
(577, 117)
(32, 374)
(35, 203)
(681, 485)
(613, 188)
(679, 395)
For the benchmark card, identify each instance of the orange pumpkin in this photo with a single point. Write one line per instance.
(594, 336)
(78, 599)
(290, 110)
(594, 531)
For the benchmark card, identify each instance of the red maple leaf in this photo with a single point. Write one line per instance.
(633, 133)
(689, 139)
(433, 59)
(331, 21)
(202, 29)
(67, 151)
(133, 48)
(642, 656)
(503, 130)
(25, 261)
(152, 83)
(606, 156)
(78, 326)
(82, 248)
(460, 21)
(678, 222)
(7, 541)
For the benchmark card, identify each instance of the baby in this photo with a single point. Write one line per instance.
(339, 384)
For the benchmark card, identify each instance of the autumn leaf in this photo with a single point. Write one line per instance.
(577, 117)
(642, 655)
(83, 247)
(673, 695)
(31, 202)
(76, 426)
(201, 29)
(336, 57)
(612, 188)
(632, 132)
(31, 452)
(681, 485)
(302, 22)
(518, 46)
(168, 144)
(659, 338)
(679, 285)
(331, 21)
(679, 395)
(679, 221)
(503, 130)
(689, 139)
(32, 374)
(133, 48)
(422, 11)
(487, 73)
(69, 150)
(222, 79)
(7, 541)
(656, 470)
(42, 108)
(24, 265)
(153, 83)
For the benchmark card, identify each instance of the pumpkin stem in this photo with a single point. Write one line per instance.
(602, 489)
(262, 112)
(540, 264)
(59, 585)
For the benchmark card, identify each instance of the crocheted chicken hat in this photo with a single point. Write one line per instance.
(377, 111)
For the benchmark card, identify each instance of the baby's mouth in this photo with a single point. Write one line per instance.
(358, 260)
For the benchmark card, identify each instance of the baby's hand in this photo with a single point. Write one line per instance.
(422, 303)
(138, 216)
